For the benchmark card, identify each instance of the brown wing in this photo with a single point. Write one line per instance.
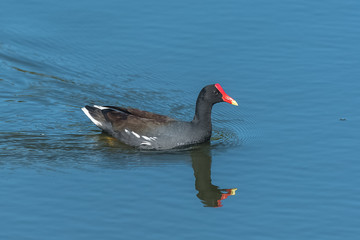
(134, 119)
(143, 114)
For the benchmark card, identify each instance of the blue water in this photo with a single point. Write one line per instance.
(290, 149)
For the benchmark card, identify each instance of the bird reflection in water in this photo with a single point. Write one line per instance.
(209, 194)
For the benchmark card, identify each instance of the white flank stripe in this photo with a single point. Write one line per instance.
(101, 107)
(96, 122)
(135, 134)
(146, 143)
(127, 131)
(146, 138)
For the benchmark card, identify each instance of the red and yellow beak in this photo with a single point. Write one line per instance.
(225, 97)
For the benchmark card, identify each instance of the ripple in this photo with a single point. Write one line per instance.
(225, 137)
(48, 82)
(233, 132)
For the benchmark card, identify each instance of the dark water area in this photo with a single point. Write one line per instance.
(282, 165)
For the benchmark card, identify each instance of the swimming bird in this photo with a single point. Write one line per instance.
(147, 130)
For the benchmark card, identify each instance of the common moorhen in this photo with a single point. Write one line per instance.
(148, 130)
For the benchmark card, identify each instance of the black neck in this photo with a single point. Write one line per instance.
(203, 113)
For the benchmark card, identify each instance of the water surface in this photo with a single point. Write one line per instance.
(290, 148)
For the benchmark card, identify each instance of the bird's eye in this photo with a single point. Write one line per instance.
(216, 92)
